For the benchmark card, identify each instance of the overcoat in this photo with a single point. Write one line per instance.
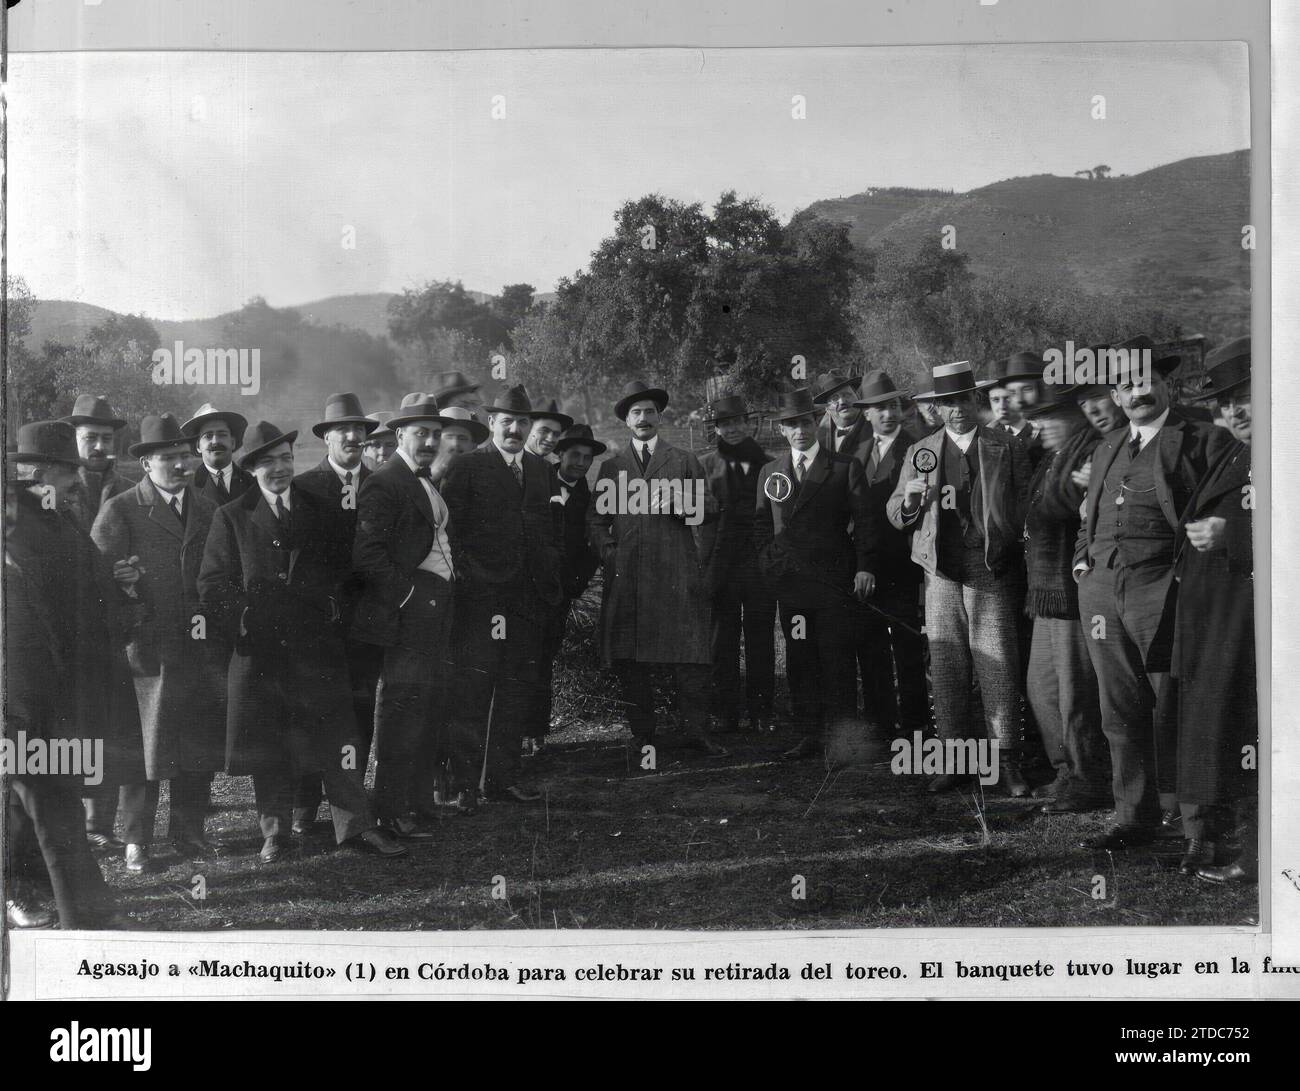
(858, 442)
(92, 491)
(240, 482)
(888, 548)
(727, 543)
(66, 675)
(341, 527)
(179, 668)
(572, 504)
(1214, 637)
(656, 606)
(289, 701)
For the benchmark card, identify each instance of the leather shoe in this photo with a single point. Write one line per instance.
(1227, 874)
(1054, 790)
(303, 827)
(949, 782)
(137, 857)
(26, 912)
(1073, 804)
(804, 748)
(1123, 837)
(379, 842)
(1171, 825)
(465, 803)
(272, 849)
(407, 829)
(104, 842)
(1012, 782)
(1198, 854)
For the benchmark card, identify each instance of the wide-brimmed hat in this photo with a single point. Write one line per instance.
(1164, 366)
(637, 391)
(93, 409)
(415, 406)
(461, 417)
(795, 403)
(729, 405)
(47, 441)
(258, 439)
(1019, 366)
(1226, 368)
(157, 432)
(550, 410)
(579, 434)
(343, 409)
(878, 387)
(949, 379)
(447, 384)
(829, 382)
(513, 400)
(207, 411)
(382, 429)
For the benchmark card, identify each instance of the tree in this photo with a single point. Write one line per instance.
(1099, 172)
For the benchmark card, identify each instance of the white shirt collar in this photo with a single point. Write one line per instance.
(1147, 431)
(1017, 429)
(168, 497)
(963, 442)
(637, 444)
(809, 456)
(341, 471)
(408, 460)
(883, 443)
(271, 497)
(510, 458)
(221, 476)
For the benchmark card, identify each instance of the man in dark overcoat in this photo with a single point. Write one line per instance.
(217, 433)
(154, 536)
(268, 580)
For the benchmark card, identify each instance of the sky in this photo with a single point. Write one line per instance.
(181, 184)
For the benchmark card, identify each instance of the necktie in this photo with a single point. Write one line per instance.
(347, 478)
(798, 467)
(280, 513)
(221, 485)
(1135, 446)
(175, 505)
(645, 457)
(518, 471)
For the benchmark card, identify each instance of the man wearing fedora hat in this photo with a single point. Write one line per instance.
(889, 642)
(217, 433)
(455, 388)
(574, 452)
(381, 444)
(403, 558)
(336, 481)
(548, 424)
(66, 684)
(269, 581)
(154, 536)
(655, 607)
(1218, 709)
(1140, 481)
(1013, 386)
(506, 548)
(961, 492)
(96, 428)
(809, 529)
(743, 600)
(845, 430)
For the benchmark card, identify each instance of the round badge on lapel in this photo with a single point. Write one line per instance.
(925, 461)
(778, 487)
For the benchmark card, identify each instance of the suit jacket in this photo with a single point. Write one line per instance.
(240, 482)
(505, 543)
(395, 532)
(729, 541)
(889, 550)
(997, 507)
(805, 541)
(341, 526)
(180, 681)
(276, 593)
(857, 443)
(579, 561)
(1181, 459)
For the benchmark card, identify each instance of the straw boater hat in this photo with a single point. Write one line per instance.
(343, 409)
(637, 391)
(258, 439)
(207, 411)
(157, 433)
(1019, 366)
(878, 387)
(93, 409)
(579, 434)
(47, 441)
(1227, 368)
(949, 379)
(415, 406)
(795, 404)
(831, 381)
(460, 417)
(550, 410)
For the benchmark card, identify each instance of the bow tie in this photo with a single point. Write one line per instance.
(423, 472)
(843, 431)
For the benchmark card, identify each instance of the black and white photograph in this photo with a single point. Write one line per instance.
(633, 489)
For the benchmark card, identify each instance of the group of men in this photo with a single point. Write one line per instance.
(1062, 547)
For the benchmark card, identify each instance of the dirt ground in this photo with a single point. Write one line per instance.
(700, 843)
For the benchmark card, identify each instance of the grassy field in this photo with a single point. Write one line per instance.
(703, 843)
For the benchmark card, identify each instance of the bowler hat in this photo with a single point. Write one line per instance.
(206, 412)
(637, 391)
(829, 382)
(1227, 368)
(550, 410)
(949, 379)
(93, 409)
(1019, 366)
(513, 400)
(447, 384)
(415, 406)
(878, 387)
(157, 433)
(794, 404)
(579, 434)
(343, 409)
(460, 417)
(47, 441)
(730, 405)
(258, 439)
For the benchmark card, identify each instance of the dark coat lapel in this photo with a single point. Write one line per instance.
(160, 513)
(661, 452)
(1103, 459)
(813, 476)
(414, 489)
(1170, 439)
